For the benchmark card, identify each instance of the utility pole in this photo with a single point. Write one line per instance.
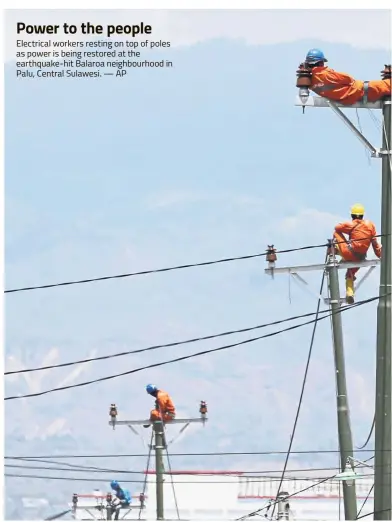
(283, 506)
(335, 301)
(160, 444)
(383, 441)
(159, 440)
(344, 427)
(383, 414)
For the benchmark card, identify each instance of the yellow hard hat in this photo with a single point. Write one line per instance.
(358, 209)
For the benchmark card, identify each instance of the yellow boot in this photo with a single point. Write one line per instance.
(349, 291)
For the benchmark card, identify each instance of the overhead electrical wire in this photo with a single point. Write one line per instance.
(185, 357)
(167, 345)
(304, 380)
(251, 480)
(374, 513)
(244, 473)
(211, 454)
(364, 502)
(370, 434)
(168, 269)
(253, 513)
(59, 515)
(105, 479)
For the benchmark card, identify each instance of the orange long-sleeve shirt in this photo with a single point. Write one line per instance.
(343, 88)
(361, 233)
(164, 403)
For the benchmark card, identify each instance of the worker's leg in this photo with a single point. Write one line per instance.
(350, 278)
(116, 505)
(378, 89)
(167, 417)
(342, 247)
(154, 415)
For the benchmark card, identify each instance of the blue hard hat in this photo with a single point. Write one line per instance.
(151, 388)
(315, 55)
(114, 484)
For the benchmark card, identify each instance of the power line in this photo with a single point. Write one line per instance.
(364, 502)
(374, 513)
(167, 345)
(264, 480)
(304, 380)
(253, 513)
(168, 269)
(211, 454)
(370, 433)
(92, 469)
(184, 357)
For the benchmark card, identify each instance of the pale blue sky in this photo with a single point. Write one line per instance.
(207, 160)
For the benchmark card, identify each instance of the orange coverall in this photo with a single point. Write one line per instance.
(345, 89)
(361, 233)
(164, 405)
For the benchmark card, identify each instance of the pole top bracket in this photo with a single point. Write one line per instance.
(318, 101)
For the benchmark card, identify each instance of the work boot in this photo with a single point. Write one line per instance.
(349, 291)
(146, 425)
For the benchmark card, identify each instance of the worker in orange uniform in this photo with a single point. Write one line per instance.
(164, 407)
(361, 234)
(341, 87)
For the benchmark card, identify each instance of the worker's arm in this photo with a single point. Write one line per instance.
(344, 228)
(338, 78)
(169, 405)
(377, 248)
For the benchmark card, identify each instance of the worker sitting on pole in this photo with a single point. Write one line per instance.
(164, 407)
(341, 87)
(122, 498)
(361, 234)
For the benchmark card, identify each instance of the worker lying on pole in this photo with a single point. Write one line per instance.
(341, 87)
(361, 234)
(164, 407)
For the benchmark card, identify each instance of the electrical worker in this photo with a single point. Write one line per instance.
(122, 498)
(164, 407)
(361, 234)
(341, 87)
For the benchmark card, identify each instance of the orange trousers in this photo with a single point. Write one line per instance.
(155, 415)
(347, 254)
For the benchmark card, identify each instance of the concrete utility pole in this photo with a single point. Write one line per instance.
(283, 506)
(160, 444)
(343, 413)
(159, 469)
(383, 417)
(344, 427)
(383, 435)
